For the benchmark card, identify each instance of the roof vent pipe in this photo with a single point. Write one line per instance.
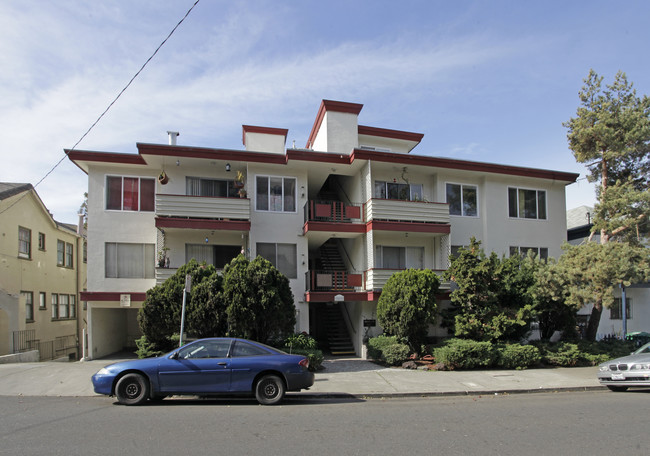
(172, 137)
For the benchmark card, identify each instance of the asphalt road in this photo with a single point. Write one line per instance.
(565, 423)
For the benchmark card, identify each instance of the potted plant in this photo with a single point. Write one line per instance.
(163, 259)
(239, 180)
(163, 178)
(242, 193)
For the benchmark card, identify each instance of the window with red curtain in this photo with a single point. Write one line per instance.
(114, 193)
(131, 194)
(147, 194)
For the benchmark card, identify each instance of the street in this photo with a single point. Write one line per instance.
(589, 423)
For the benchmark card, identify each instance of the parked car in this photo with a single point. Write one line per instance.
(206, 367)
(621, 373)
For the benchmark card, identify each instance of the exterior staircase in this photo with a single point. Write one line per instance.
(338, 337)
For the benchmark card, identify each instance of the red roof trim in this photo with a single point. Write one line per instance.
(202, 224)
(394, 134)
(450, 163)
(105, 296)
(411, 227)
(328, 296)
(263, 130)
(334, 227)
(330, 105)
(210, 154)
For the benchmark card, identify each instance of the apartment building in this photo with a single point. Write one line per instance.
(337, 217)
(42, 272)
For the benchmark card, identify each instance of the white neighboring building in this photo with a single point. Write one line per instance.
(338, 217)
(637, 296)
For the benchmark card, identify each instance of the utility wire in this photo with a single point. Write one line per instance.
(110, 105)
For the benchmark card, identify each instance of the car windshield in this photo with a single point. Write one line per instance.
(644, 349)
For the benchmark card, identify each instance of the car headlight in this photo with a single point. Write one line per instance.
(103, 371)
(639, 367)
(603, 368)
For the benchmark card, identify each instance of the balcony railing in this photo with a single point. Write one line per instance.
(406, 211)
(376, 278)
(205, 207)
(333, 211)
(333, 281)
(163, 274)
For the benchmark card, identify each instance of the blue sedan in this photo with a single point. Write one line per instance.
(206, 367)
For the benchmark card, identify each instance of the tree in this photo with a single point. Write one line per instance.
(260, 302)
(206, 314)
(611, 135)
(592, 271)
(160, 315)
(407, 305)
(491, 301)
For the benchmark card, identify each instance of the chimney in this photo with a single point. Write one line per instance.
(80, 223)
(172, 137)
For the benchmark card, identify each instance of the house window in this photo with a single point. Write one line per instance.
(198, 186)
(462, 200)
(616, 311)
(398, 191)
(42, 304)
(282, 256)
(41, 241)
(528, 204)
(28, 296)
(55, 306)
(63, 306)
(130, 194)
(387, 257)
(69, 250)
(130, 261)
(85, 251)
(275, 194)
(217, 255)
(60, 253)
(540, 252)
(73, 306)
(24, 242)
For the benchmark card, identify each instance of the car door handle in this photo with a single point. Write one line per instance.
(222, 364)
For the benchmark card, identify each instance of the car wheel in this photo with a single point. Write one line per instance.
(618, 389)
(269, 390)
(132, 389)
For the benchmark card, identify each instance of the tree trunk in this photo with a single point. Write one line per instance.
(604, 237)
(594, 321)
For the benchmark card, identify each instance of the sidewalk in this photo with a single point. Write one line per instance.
(342, 377)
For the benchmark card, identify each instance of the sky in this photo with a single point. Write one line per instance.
(488, 81)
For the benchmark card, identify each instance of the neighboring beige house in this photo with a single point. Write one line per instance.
(337, 217)
(42, 272)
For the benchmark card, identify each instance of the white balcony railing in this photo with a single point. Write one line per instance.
(377, 278)
(202, 207)
(407, 211)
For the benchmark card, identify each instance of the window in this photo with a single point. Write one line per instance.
(198, 186)
(55, 306)
(205, 349)
(616, 311)
(63, 306)
(387, 257)
(60, 253)
(28, 296)
(529, 204)
(275, 194)
(540, 252)
(244, 349)
(398, 191)
(73, 306)
(68, 255)
(282, 256)
(41, 241)
(130, 261)
(130, 194)
(24, 242)
(217, 255)
(462, 200)
(42, 304)
(85, 252)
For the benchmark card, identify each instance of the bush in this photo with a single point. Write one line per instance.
(516, 356)
(563, 354)
(395, 354)
(301, 340)
(465, 354)
(314, 356)
(376, 346)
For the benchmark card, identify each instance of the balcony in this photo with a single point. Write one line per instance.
(376, 278)
(202, 212)
(333, 281)
(406, 211)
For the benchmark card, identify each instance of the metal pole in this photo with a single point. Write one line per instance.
(188, 286)
(624, 311)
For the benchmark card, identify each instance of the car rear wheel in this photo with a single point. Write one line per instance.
(269, 390)
(618, 389)
(132, 389)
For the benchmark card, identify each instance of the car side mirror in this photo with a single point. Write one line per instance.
(174, 356)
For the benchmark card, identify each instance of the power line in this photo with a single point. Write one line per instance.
(111, 103)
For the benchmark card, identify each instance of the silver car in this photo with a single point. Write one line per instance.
(629, 371)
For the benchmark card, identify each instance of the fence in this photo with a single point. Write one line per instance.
(60, 347)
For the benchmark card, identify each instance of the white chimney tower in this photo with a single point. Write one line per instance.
(172, 137)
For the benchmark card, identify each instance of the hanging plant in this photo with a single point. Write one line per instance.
(163, 178)
(239, 180)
